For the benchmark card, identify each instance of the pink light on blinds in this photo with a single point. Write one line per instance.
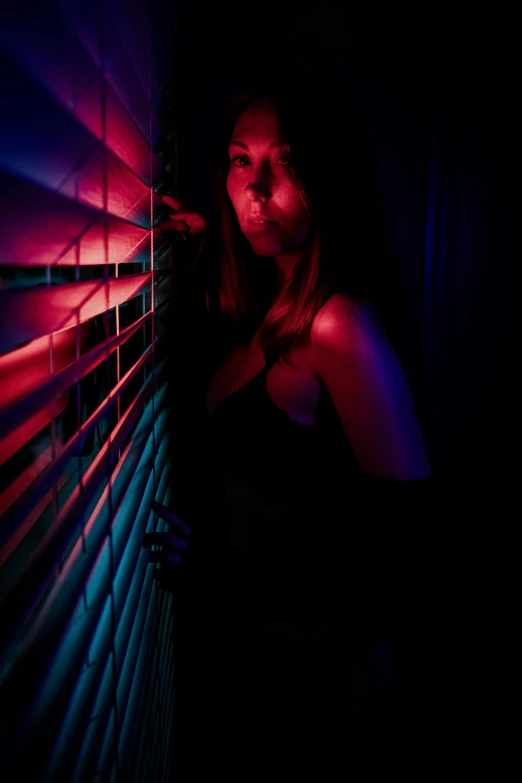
(29, 313)
(83, 394)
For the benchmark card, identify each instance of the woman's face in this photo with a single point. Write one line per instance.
(268, 206)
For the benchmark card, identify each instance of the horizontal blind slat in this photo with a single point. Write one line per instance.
(90, 26)
(134, 634)
(53, 470)
(31, 39)
(75, 642)
(25, 432)
(13, 414)
(46, 151)
(60, 154)
(125, 659)
(132, 27)
(44, 228)
(133, 562)
(29, 313)
(12, 493)
(31, 585)
(129, 726)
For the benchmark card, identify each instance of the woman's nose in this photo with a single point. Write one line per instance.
(256, 193)
(258, 187)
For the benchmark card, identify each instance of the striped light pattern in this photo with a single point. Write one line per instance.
(86, 142)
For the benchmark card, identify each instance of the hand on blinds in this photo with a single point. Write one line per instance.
(183, 220)
(169, 546)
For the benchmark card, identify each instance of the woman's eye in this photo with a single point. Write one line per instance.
(285, 160)
(239, 160)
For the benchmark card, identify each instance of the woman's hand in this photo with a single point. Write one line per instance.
(183, 220)
(169, 546)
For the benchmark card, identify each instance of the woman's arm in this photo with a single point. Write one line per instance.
(401, 550)
(397, 503)
(351, 353)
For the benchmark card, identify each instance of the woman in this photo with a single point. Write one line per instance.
(307, 427)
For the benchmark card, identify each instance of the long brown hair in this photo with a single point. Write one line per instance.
(348, 250)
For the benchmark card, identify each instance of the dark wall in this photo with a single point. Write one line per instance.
(436, 89)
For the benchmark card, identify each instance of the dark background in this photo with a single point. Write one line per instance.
(437, 91)
(437, 87)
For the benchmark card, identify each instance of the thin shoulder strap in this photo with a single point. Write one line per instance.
(268, 366)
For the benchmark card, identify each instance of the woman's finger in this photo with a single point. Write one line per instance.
(171, 202)
(172, 225)
(164, 557)
(195, 222)
(164, 539)
(171, 518)
(189, 222)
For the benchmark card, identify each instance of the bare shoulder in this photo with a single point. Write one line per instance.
(347, 326)
(350, 352)
(341, 304)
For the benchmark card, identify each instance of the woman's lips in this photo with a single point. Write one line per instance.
(260, 223)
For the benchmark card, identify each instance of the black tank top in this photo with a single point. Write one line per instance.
(294, 548)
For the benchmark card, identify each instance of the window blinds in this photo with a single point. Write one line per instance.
(86, 141)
